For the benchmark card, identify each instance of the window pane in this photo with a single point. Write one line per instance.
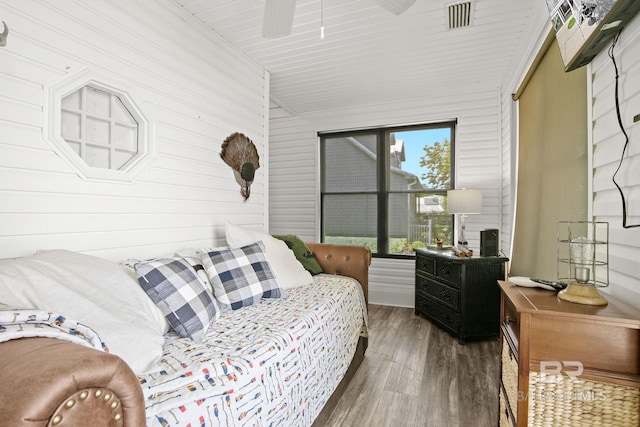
(120, 158)
(73, 100)
(70, 125)
(350, 164)
(424, 153)
(97, 157)
(417, 220)
(75, 146)
(98, 131)
(350, 219)
(126, 137)
(98, 103)
(121, 114)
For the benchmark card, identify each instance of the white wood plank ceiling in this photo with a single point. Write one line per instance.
(369, 55)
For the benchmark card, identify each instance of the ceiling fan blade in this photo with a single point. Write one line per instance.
(395, 6)
(278, 18)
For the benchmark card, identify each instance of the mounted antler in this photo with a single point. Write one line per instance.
(239, 152)
(4, 34)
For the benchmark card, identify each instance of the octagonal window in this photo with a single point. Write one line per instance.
(97, 127)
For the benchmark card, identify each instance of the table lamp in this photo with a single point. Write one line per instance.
(464, 202)
(583, 260)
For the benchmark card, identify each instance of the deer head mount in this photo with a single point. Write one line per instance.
(242, 156)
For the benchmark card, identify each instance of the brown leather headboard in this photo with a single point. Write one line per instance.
(345, 260)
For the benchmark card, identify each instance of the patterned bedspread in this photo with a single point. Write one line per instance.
(27, 322)
(272, 364)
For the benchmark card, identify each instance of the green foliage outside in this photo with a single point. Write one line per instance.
(437, 160)
(370, 242)
(396, 245)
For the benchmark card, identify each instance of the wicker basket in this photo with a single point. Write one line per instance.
(557, 401)
(510, 377)
(505, 420)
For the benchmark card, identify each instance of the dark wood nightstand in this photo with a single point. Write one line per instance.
(460, 295)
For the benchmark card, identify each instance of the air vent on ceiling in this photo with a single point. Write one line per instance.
(459, 15)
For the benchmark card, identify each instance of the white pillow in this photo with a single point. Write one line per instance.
(99, 293)
(287, 269)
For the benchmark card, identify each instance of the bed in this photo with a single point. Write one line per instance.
(280, 361)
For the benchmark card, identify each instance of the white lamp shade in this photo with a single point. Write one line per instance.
(464, 201)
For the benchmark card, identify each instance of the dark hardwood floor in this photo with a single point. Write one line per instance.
(415, 374)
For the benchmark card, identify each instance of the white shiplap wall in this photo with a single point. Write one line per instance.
(294, 188)
(608, 141)
(197, 89)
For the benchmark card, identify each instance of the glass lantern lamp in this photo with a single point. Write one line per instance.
(583, 260)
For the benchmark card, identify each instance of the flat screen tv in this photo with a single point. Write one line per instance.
(584, 27)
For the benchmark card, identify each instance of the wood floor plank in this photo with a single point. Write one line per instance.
(415, 375)
(393, 409)
(440, 381)
(359, 399)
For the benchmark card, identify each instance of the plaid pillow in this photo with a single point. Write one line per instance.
(241, 276)
(174, 286)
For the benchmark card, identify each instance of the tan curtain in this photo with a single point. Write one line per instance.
(552, 163)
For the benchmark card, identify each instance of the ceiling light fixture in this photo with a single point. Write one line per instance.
(321, 20)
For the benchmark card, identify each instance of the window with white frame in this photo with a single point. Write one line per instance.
(95, 123)
(99, 128)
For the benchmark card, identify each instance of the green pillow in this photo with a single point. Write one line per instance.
(302, 253)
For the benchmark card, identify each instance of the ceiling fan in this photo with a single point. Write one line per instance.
(278, 14)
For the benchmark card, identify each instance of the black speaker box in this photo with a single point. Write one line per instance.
(489, 242)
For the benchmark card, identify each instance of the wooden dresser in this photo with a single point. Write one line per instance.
(460, 295)
(567, 364)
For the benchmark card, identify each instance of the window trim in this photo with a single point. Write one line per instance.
(382, 166)
(56, 90)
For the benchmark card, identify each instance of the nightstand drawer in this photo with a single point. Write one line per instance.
(448, 272)
(426, 265)
(445, 294)
(438, 313)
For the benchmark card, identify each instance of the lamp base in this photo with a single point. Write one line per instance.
(582, 294)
